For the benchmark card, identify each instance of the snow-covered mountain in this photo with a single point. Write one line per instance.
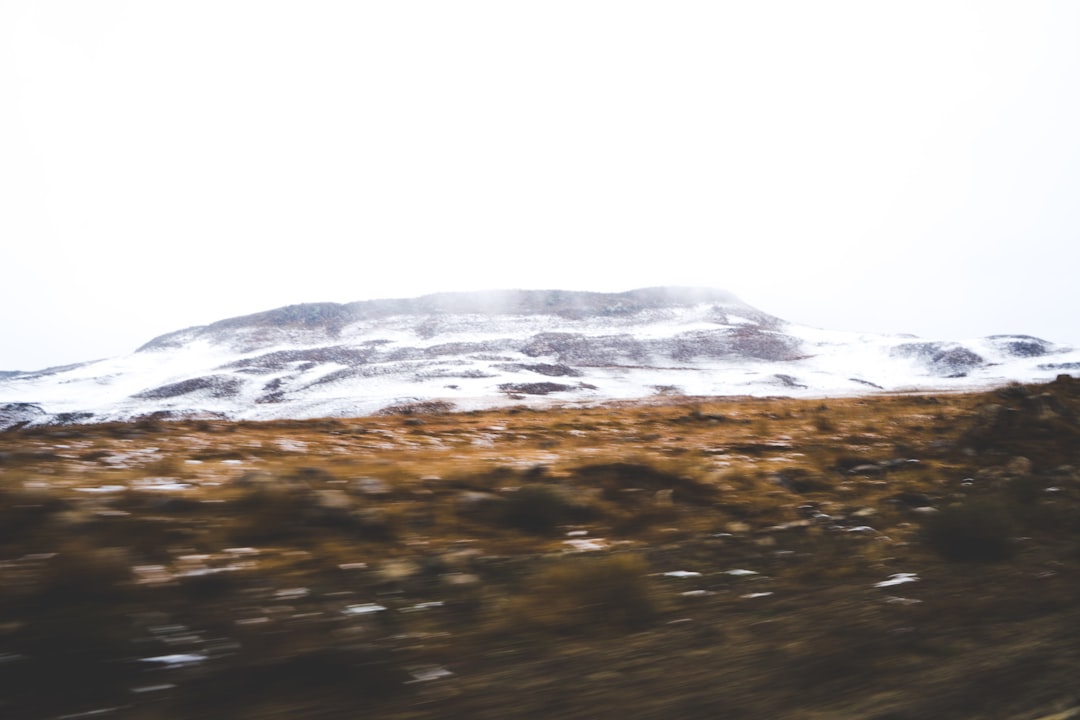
(471, 350)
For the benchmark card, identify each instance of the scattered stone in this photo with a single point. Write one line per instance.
(427, 674)
(458, 579)
(586, 544)
(370, 486)
(913, 499)
(897, 579)
(363, 609)
(398, 570)
(478, 505)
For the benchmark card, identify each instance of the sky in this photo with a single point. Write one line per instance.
(874, 166)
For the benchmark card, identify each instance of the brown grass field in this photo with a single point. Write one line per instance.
(889, 557)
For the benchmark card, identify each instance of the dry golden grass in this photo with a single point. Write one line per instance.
(689, 558)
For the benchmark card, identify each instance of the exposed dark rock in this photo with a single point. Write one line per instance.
(1020, 345)
(17, 414)
(955, 362)
(192, 414)
(537, 388)
(421, 407)
(459, 349)
(273, 392)
(551, 370)
(941, 358)
(218, 386)
(578, 349)
(1060, 366)
(284, 359)
(333, 377)
(583, 350)
(70, 418)
(744, 341)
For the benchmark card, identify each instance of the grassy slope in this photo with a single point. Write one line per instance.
(274, 561)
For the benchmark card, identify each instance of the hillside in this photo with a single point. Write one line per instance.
(911, 556)
(467, 351)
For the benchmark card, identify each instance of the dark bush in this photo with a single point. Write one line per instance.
(71, 648)
(576, 594)
(536, 509)
(320, 675)
(271, 511)
(615, 478)
(23, 512)
(977, 530)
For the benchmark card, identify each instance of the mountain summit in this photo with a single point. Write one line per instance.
(330, 319)
(472, 350)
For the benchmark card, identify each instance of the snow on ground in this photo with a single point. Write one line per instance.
(832, 363)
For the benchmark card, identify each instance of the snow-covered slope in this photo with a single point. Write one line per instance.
(471, 350)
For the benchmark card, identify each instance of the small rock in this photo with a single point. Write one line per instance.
(457, 579)
(897, 579)
(480, 505)
(1019, 466)
(397, 570)
(913, 499)
(370, 486)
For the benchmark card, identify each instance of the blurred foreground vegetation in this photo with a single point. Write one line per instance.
(889, 557)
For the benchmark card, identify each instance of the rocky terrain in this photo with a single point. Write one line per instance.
(479, 350)
(890, 557)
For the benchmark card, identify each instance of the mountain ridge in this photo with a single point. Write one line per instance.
(483, 349)
(564, 303)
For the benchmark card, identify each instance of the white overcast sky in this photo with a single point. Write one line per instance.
(882, 166)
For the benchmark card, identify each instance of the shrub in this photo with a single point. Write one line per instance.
(298, 678)
(24, 512)
(271, 511)
(614, 478)
(977, 530)
(536, 509)
(579, 593)
(71, 645)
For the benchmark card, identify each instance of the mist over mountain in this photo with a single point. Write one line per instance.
(461, 351)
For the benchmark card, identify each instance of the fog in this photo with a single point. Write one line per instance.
(888, 168)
